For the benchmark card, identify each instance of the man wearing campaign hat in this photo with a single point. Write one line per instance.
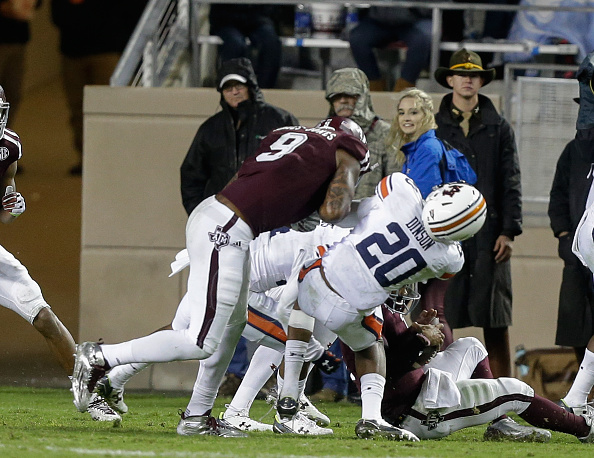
(481, 294)
(231, 135)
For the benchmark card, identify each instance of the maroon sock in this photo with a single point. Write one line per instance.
(546, 414)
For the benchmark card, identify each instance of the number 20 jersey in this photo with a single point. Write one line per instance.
(389, 248)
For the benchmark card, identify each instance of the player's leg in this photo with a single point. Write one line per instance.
(57, 337)
(363, 336)
(264, 362)
(460, 359)
(584, 380)
(218, 243)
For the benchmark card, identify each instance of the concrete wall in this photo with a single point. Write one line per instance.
(133, 221)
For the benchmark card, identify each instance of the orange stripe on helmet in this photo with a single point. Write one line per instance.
(267, 327)
(476, 210)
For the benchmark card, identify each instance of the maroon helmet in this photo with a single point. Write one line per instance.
(4, 106)
(345, 124)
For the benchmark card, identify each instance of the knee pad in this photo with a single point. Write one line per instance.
(301, 320)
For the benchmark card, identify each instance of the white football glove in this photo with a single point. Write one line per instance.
(13, 202)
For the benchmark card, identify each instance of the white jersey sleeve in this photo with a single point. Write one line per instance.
(275, 254)
(389, 248)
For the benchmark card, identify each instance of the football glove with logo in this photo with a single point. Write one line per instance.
(328, 362)
(13, 202)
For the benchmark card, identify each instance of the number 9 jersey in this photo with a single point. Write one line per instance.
(389, 248)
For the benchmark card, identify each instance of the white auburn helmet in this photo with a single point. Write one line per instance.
(454, 212)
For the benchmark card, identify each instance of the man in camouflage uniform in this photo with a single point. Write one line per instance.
(349, 96)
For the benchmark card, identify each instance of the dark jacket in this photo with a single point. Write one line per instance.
(218, 150)
(569, 192)
(483, 288)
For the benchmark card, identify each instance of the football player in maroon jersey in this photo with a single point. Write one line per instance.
(296, 171)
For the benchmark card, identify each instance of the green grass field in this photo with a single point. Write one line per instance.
(43, 422)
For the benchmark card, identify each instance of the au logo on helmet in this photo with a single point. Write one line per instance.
(454, 212)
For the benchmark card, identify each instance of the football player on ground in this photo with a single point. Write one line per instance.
(392, 246)
(19, 292)
(296, 171)
(456, 390)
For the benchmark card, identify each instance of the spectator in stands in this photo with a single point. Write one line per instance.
(93, 35)
(480, 294)
(234, 22)
(14, 36)
(219, 148)
(383, 25)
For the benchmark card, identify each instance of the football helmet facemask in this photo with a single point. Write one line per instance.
(347, 125)
(403, 300)
(4, 107)
(454, 212)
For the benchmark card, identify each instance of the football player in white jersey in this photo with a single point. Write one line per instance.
(583, 247)
(275, 258)
(399, 240)
(19, 292)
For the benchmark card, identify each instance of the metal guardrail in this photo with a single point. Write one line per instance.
(168, 28)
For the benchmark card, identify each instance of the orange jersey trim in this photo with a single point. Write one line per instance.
(305, 270)
(383, 186)
(374, 325)
(268, 327)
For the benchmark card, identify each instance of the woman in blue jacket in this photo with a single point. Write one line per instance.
(412, 137)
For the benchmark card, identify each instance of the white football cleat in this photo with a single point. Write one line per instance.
(507, 429)
(89, 367)
(311, 412)
(586, 411)
(299, 424)
(113, 396)
(206, 425)
(370, 429)
(241, 420)
(100, 410)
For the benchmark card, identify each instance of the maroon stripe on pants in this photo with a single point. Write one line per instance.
(477, 409)
(211, 293)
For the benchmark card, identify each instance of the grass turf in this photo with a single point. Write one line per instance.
(44, 422)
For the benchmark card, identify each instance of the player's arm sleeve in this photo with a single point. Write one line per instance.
(194, 174)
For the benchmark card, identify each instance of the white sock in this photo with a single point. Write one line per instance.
(211, 372)
(372, 393)
(262, 365)
(120, 375)
(582, 385)
(159, 347)
(294, 358)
